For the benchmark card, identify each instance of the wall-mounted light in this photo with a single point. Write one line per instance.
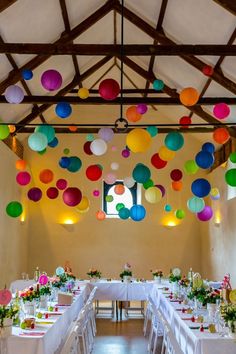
(170, 221)
(217, 221)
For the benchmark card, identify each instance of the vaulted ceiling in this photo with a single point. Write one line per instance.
(171, 40)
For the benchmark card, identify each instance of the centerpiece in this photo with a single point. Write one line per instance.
(174, 277)
(94, 274)
(29, 296)
(157, 275)
(126, 274)
(8, 313)
(228, 313)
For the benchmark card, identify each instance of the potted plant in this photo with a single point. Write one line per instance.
(126, 274)
(7, 315)
(94, 274)
(157, 275)
(228, 312)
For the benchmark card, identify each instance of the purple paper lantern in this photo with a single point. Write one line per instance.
(142, 108)
(35, 194)
(14, 94)
(206, 214)
(51, 80)
(23, 178)
(72, 196)
(106, 134)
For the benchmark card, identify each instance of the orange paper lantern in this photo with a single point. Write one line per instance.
(189, 96)
(46, 176)
(119, 189)
(177, 185)
(20, 164)
(73, 128)
(100, 215)
(132, 114)
(221, 135)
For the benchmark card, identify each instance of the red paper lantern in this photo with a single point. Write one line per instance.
(72, 196)
(157, 161)
(87, 149)
(207, 70)
(221, 135)
(109, 89)
(52, 193)
(176, 175)
(185, 121)
(93, 172)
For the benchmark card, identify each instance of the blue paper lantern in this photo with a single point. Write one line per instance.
(200, 187)
(63, 110)
(47, 130)
(174, 141)
(75, 164)
(209, 147)
(141, 173)
(167, 207)
(53, 143)
(137, 212)
(37, 141)
(27, 74)
(195, 204)
(124, 213)
(158, 85)
(204, 159)
(64, 162)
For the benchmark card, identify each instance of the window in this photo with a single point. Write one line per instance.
(130, 197)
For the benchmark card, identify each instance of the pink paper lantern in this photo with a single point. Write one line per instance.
(43, 279)
(109, 89)
(72, 196)
(5, 297)
(51, 80)
(221, 110)
(110, 178)
(23, 178)
(96, 193)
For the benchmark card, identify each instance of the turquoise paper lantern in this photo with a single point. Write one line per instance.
(37, 141)
(174, 141)
(195, 204)
(141, 173)
(47, 130)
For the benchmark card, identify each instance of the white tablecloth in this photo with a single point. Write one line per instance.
(54, 335)
(21, 284)
(192, 341)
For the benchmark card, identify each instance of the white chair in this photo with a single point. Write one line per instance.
(147, 318)
(71, 345)
(156, 329)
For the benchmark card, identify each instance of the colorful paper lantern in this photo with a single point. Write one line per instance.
(124, 213)
(142, 108)
(119, 189)
(162, 189)
(106, 134)
(83, 205)
(232, 157)
(34, 194)
(119, 206)
(204, 159)
(138, 140)
(129, 182)
(64, 161)
(166, 154)
(96, 193)
(73, 128)
(63, 110)
(110, 178)
(167, 208)
(189, 96)
(86, 148)
(72, 196)
(200, 187)
(132, 114)
(14, 209)
(180, 214)
(185, 121)
(46, 176)
(206, 214)
(21, 164)
(208, 70)
(176, 174)
(27, 74)
(141, 173)
(75, 164)
(83, 93)
(125, 153)
(209, 147)
(52, 192)
(109, 198)
(14, 94)
(61, 184)
(190, 167)
(152, 130)
(23, 178)
(148, 184)
(37, 142)
(174, 141)
(47, 130)
(98, 147)
(53, 143)
(100, 215)
(157, 162)
(177, 185)
(158, 85)
(115, 166)
(12, 128)
(221, 110)
(109, 89)
(51, 80)
(137, 212)
(93, 172)
(195, 204)
(215, 193)
(153, 195)
(4, 131)
(230, 177)
(221, 135)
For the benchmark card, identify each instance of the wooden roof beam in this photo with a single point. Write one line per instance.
(4, 4)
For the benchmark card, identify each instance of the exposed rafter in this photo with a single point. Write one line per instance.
(15, 75)
(229, 5)
(163, 39)
(4, 4)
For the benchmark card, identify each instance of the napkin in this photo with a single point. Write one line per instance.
(33, 334)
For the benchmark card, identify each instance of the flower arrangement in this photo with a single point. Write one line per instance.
(30, 294)
(45, 290)
(10, 311)
(199, 294)
(228, 312)
(157, 273)
(174, 278)
(94, 273)
(184, 282)
(127, 272)
(212, 296)
(58, 281)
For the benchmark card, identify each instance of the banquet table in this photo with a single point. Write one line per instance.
(20, 284)
(49, 333)
(187, 333)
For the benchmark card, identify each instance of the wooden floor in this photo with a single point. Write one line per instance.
(123, 337)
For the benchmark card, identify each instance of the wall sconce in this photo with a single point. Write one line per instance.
(217, 221)
(68, 224)
(170, 224)
(170, 221)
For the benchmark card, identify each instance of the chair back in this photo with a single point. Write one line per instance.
(71, 345)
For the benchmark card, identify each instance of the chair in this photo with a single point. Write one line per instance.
(156, 329)
(71, 345)
(147, 318)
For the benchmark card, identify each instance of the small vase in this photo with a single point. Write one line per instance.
(43, 302)
(93, 279)
(175, 287)
(6, 329)
(29, 308)
(157, 279)
(126, 278)
(232, 329)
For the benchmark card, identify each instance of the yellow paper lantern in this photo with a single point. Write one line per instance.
(83, 93)
(138, 140)
(153, 195)
(83, 205)
(166, 154)
(189, 96)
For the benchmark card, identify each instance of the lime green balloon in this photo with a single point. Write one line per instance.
(190, 167)
(180, 214)
(232, 157)
(148, 184)
(66, 151)
(4, 132)
(109, 198)
(230, 177)
(14, 209)
(119, 206)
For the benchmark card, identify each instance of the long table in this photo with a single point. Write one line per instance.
(52, 334)
(191, 341)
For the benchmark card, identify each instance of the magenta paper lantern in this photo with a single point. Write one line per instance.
(72, 196)
(96, 193)
(125, 153)
(206, 214)
(43, 279)
(142, 108)
(35, 194)
(23, 178)
(14, 94)
(109, 89)
(52, 192)
(61, 184)
(51, 80)
(221, 110)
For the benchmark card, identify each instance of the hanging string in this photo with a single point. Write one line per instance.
(121, 60)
